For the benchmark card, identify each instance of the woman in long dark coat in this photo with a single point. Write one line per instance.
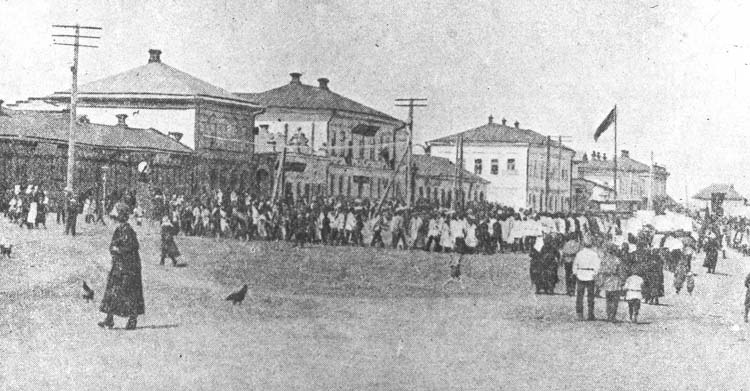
(711, 247)
(124, 293)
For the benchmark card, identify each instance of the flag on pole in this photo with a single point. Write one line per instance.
(611, 118)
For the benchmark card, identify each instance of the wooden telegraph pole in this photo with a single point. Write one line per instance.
(74, 90)
(278, 183)
(411, 105)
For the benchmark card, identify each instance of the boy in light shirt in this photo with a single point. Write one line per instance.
(633, 286)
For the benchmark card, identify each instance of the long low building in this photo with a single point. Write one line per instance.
(34, 151)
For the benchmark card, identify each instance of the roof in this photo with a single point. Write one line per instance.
(153, 79)
(53, 126)
(492, 132)
(433, 166)
(597, 184)
(727, 189)
(623, 164)
(297, 95)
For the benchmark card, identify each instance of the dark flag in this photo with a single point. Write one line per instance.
(611, 118)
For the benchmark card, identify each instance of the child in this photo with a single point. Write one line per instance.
(138, 213)
(5, 247)
(747, 296)
(455, 272)
(168, 246)
(690, 281)
(633, 286)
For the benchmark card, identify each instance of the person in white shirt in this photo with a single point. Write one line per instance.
(433, 233)
(585, 267)
(633, 287)
(458, 232)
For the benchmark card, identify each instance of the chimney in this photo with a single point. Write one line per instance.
(604, 157)
(323, 83)
(84, 119)
(491, 119)
(295, 78)
(504, 121)
(1, 106)
(585, 157)
(625, 153)
(121, 120)
(516, 123)
(175, 135)
(154, 55)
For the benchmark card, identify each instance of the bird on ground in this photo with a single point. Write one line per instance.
(88, 292)
(237, 297)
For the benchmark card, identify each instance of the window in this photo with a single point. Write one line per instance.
(494, 166)
(341, 185)
(421, 192)
(333, 184)
(361, 147)
(533, 200)
(372, 148)
(428, 193)
(564, 174)
(333, 146)
(511, 165)
(478, 166)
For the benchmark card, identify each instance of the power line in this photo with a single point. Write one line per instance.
(74, 90)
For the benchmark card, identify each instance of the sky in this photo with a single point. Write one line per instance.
(677, 70)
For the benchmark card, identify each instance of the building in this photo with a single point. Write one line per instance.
(34, 151)
(733, 204)
(435, 180)
(633, 178)
(335, 146)
(515, 163)
(214, 123)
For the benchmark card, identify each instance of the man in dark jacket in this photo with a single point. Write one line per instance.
(71, 213)
(124, 293)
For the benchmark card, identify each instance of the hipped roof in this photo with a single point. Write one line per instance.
(433, 166)
(154, 79)
(297, 95)
(53, 127)
(492, 132)
(727, 189)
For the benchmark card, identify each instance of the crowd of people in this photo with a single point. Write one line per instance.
(630, 265)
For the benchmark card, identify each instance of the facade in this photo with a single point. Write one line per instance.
(435, 180)
(734, 202)
(335, 146)
(34, 151)
(214, 123)
(633, 178)
(514, 161)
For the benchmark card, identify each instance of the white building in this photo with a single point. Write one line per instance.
(514, 161)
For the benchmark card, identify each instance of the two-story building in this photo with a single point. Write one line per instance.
(523, 167)
(214, 123)
(334, 145)
(633, 179)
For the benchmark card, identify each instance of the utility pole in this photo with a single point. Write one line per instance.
(458, 179)
(546, 175)
(650, 205)
(278, 183)
(74, 90)
(411, 105)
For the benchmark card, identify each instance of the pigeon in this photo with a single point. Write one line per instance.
(237, 297)
(88, 292)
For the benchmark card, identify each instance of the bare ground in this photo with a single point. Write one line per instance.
(346, 318)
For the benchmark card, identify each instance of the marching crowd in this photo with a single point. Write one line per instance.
(595, 254)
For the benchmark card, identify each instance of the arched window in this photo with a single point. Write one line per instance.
(481, 196)
(428, 192)
(341, 184)
(361, 147)
(372, 148)
(332, 148)
(478, 166)
(442, 196)
(333, 185)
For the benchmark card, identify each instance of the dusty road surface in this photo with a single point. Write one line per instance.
(342, 318)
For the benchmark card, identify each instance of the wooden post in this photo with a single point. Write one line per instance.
(278, 185)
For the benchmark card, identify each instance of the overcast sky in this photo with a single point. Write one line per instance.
(677, 70)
